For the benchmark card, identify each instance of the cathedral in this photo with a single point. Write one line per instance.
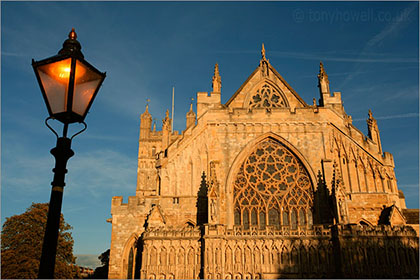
(264, 186)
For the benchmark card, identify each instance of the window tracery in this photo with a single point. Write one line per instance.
(267, 97)
(273, 188)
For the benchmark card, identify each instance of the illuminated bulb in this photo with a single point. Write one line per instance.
(60, 70)
(65, 72)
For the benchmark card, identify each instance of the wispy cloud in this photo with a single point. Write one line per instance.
(85, 260)
(340, 56)
(14, 54)
(345, 57)
(410, 93)
(388, 69)
(98, 172)
(108, 137)
(409, 186)
(391, 117)
(102, 171)
(389, 30)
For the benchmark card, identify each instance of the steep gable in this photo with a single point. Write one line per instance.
(391, 216)
(265, 88)
(155, 219)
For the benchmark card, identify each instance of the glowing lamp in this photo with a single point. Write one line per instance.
(68, 82)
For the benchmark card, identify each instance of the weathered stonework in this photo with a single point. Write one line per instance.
(264, 186)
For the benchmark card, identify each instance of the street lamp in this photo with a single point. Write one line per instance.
(69, 85)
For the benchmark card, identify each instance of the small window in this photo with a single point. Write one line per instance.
(285, 218)
(130, 265)
(273, 218)
(176, 200)
(254, 217)
(262, 220)
(302, 218)
(246, 219)
(294, 219)
(310, 218)
(237, 217)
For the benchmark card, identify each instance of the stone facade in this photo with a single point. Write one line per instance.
(264, 186)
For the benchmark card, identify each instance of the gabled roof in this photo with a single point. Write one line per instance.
(274, 71)
(391, 216)
(155, 218)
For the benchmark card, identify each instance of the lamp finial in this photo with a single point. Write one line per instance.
(72, 34)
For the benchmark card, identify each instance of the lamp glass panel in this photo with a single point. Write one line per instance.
(86, 82)
(55, 80)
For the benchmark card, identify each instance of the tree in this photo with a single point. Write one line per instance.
(101, 272)
(21, 245)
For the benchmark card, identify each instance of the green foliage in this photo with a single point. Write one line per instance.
(21, 245)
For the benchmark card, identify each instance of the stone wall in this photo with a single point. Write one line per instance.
(181, 223)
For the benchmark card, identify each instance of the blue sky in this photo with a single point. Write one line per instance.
(370, 52)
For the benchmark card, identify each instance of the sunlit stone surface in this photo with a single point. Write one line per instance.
(264, 186)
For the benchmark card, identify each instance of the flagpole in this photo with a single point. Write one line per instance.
(173, 101)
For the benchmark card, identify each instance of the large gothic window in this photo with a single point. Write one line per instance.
(267, 97)
(272, 188)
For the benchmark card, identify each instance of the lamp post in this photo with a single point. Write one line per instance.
(69, 85)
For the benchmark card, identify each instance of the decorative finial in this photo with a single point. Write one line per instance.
(71, 46)
(72, 34)
(191, 104)
(321, 68)
(263, 52)
(322, 74)
(370, 114)
(167, 114)
(216, 70)
(217, 80)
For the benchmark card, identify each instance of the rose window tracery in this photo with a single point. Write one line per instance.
(267, 97)
(272, 187)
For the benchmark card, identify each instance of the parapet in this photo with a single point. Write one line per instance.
(335, 99)
(206, 101)
(117, 200)
(388, 159)
(134, 202)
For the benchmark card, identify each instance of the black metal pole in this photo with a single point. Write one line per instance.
(62, 152)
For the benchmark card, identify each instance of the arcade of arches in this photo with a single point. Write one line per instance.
(264, 186)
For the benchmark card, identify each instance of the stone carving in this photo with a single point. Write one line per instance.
(257, 213)
(271, 188)
(217, 80)
(267, 97)
(213, 193)
(166, 122)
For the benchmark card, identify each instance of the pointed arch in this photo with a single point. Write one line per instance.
(364, 222)
(130, 246)
(302, 177)
(189, 223)
(353, 154)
